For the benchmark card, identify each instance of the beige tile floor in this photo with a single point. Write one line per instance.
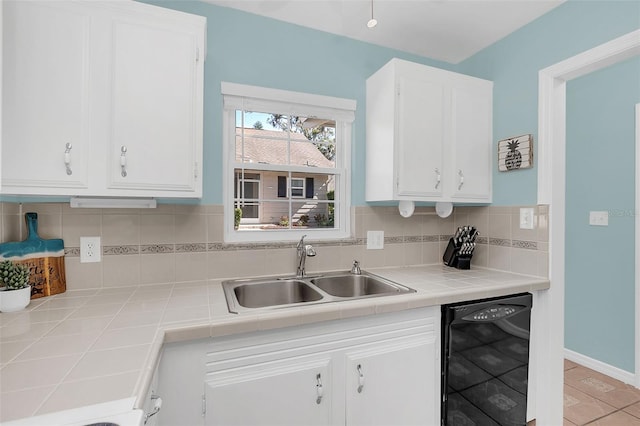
(591, 398)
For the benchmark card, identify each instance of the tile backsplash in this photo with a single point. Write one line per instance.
(176, 243)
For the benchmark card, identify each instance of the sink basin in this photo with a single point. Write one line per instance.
(280, 292)
(259, 294)
(355, 285)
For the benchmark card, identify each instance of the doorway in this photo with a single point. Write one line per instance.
(551, 191)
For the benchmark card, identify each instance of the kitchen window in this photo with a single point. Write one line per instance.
(287, 164)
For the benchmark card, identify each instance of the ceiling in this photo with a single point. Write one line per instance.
(446, 30)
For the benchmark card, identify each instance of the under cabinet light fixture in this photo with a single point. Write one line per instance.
(112, 203)
(373, 21)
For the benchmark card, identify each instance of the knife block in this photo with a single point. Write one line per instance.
(454, 259)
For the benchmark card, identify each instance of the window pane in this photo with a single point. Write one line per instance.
(265, 215)
(271, 138)
(321, 133)
(247, 185)
(249, 210)
(312, 214)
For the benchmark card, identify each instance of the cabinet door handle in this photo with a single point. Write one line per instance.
(438, 178)
(360, 379)
(157, 405)
(67, 158)
(461, 182)
(319, 390)
(123, 161)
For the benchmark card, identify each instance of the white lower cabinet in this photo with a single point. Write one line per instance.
(392, 383)
(292, 391)
(376, 370)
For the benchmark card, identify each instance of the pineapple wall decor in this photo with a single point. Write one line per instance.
(515, 153)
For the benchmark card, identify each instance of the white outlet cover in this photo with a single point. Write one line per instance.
(526, 218)
(90, 250)
(599, 218)
(375, 240)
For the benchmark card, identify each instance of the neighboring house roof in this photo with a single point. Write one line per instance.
(270, 147)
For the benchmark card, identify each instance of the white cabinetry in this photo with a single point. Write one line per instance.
(382, 369)
(46, 92)
(102, 99)
(393, 383)
(429, 135)
(291, 391)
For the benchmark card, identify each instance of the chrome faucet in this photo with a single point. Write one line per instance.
(355, 269)
(303, 251)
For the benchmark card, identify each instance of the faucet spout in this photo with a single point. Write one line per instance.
(303, 251)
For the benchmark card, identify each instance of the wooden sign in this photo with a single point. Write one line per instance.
(515, 153)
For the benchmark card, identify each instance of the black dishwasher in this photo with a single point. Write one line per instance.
(485, 361)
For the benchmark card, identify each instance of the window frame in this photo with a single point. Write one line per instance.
(253, 98)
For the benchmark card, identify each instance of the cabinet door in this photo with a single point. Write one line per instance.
(471, 137)
(45, 97)
(295, 391)
(155, 105)
(420, 135)
(394, 383)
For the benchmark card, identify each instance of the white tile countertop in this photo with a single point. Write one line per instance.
(95, 346)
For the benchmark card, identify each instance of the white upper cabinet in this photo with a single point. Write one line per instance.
(120, 82)
(471, 140)
(429, 134)
(153, 114)
(46, 113)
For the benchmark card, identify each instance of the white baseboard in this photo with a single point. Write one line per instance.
(601, 367)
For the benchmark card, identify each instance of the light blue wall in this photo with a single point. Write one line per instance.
(600, 261)
(599, 311)
(513, 64)
(250, 49)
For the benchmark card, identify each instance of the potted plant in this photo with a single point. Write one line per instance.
(15, 291)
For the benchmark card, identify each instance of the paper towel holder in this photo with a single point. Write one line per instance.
(444, 209)
(406, 208)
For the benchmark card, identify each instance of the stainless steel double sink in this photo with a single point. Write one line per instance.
(274, 293)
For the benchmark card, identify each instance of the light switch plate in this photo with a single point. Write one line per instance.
(375, 240)
(526, 218)
(599, 218)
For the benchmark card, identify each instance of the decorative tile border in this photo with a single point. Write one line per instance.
(502, 242)
(118, 250)
(413, 239)
(393, 240)
(157, 248)
(210, 247)
(529, 245)
(191, 248)
(72, 251)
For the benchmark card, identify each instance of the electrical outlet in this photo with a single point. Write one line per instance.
(599, 218)
(375, 240)
(526, 218)
(90, 250)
